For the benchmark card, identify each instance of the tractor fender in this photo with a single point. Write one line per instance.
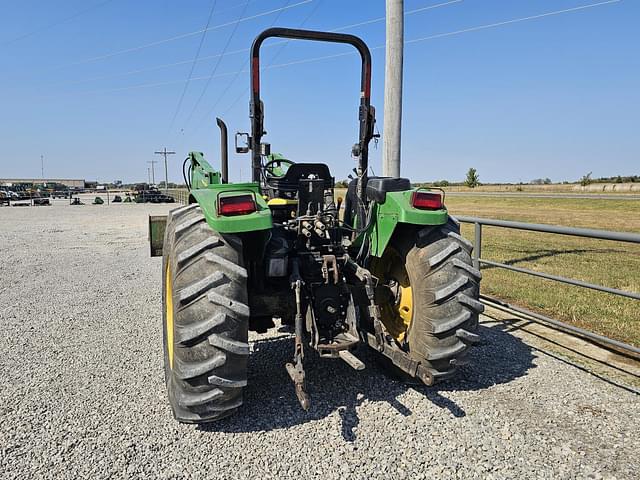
(397, 209)
(208, 198)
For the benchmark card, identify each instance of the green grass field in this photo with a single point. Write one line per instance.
(612, 264)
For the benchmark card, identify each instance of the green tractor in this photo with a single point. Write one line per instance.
(385, 269)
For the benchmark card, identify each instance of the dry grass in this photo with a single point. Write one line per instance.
(613, 264)
(608, 188)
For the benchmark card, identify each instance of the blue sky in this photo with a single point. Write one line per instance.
(556, 96)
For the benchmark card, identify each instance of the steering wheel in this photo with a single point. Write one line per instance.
(277, 167)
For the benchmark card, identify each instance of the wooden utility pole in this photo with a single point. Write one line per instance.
(153, 171)
(393, 88)
(166, 174)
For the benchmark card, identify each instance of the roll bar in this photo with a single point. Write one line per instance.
(366, 111)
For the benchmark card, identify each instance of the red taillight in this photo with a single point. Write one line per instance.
(236, 205)
(427, 201)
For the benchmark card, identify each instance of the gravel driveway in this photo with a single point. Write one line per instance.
(82, 392)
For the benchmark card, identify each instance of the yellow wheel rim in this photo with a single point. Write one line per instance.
(396, 307)
(169, 314)
(405, 306)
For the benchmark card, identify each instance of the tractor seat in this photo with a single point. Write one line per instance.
(377, 187)
(290, 182)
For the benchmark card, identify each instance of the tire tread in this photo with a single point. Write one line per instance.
(211, 317)
(446, 306)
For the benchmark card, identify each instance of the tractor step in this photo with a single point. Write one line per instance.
(351, 360)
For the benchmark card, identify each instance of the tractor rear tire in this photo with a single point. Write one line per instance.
(205, 318)
(445, 304)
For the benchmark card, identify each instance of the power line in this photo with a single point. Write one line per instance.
(193, 65)
(56, 23)
(283, 45)
(244, 50)
(407, 42)
(157, 67)
(407, 13)
(430, 37)
(345, 27)
(181, 36)
(237, 74)
(150, 85)
(215, 68)
(508, 22)
(236, 6)
(220, 75)
(288, 64)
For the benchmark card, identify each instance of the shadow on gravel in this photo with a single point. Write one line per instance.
(550, 253)
(270, 401)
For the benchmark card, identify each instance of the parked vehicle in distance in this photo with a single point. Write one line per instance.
(150, 194)
(41, 201)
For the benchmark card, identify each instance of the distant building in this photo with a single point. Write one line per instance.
(69, 182)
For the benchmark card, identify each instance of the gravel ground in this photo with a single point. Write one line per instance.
(83, 396)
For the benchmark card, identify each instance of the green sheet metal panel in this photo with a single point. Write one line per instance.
(397, 209)
(157, 225)
(208, 198)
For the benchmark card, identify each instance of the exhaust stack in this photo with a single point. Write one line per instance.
(224, 150)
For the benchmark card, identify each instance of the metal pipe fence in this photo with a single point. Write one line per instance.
(181, 195)
(478, 262)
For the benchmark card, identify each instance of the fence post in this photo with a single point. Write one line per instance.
(477, 247)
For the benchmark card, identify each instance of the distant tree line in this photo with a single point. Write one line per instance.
(472, 180)
(541, 181)
(617, 179)
(587, 180)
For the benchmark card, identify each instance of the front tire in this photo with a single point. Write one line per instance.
(205, 318)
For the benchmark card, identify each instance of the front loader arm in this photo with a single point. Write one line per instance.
(202, 174)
